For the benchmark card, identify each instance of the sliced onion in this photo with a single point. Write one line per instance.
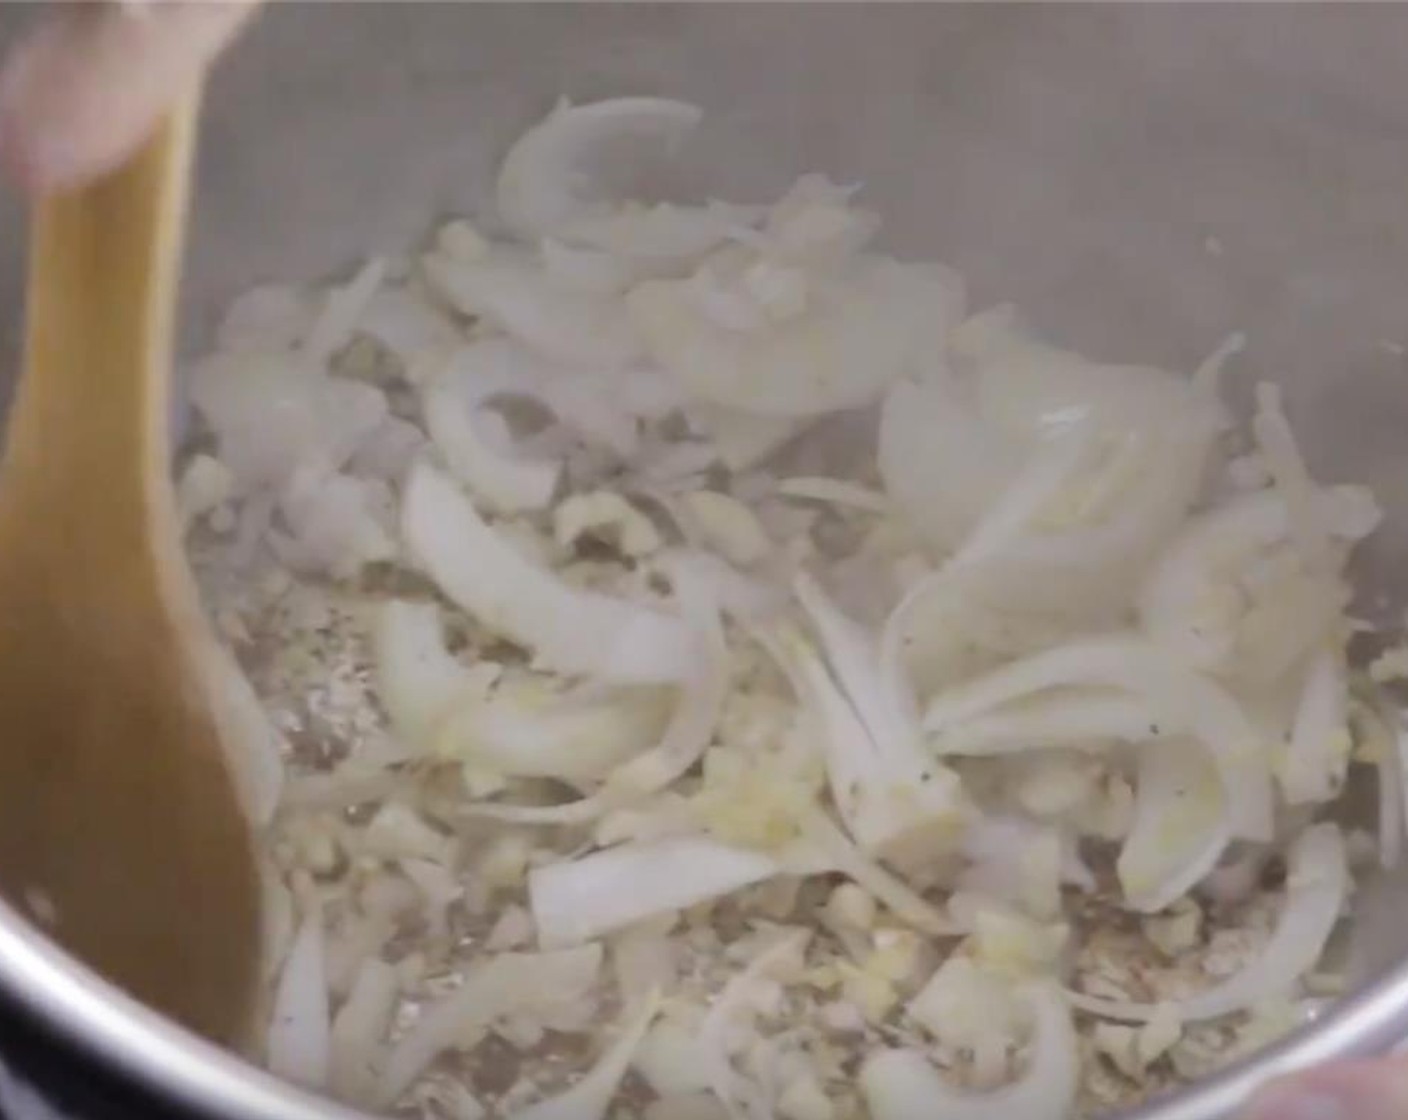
(841, 352)
(1316, 761)
(299, 1026)
(928, 812)
(1186, 603)
(1051, 466)
(878, 784)
(1180, 825)
(388, 451)
(834, 491)
(568, 630)
(590, 270)
(590, 1097)
(1092, 568)
(941, 463)
(1014, 861)
(1388, 746)
(545, 181)
(334, 325)
(685, 738)
(418, 679)
(843, 857)
(510, 290)
(1063, 718)
(903, 1085)
(336, 523)
(742, 1100)
(955, 622)
(742, 439)
(579, 900)
(504, 481)
(254, 748)
(662, 236)
(1317, 886)
(528, 729)
(408, 326)
(510, 983)
(271, 415)
(276, 920)
(1027, 385)
(268, 317)
(1183, 702)
(581, 400)
(359, 1031)
(1291, 478)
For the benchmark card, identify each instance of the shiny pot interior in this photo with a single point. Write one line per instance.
(1141, 180)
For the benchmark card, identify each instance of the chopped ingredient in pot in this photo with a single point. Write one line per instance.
(637, 731)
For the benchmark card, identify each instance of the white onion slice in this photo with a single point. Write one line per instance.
(685, 738)
(525, 729)
(1183, 703)
(579, 900)
(568, 630)
(842, 856)
(1183, 603)
(1180, 825)
(923, 808)
(742, 1100)
(510, 983)
(590, 1097)
(940, 462)
(1313, 768)
(1389, 748)
(1317, 886)
(895, 802)
(359, 1031)
(1292, 480)
(590, 270)
(742, 439)
(418, 680)
(545, 180)
(1066, 718)
(506, 482)
(1087, 567)
(267, 317)
(834, 491)
(851, 341)
(253, 746)
(299, 1026)
(342, 307)
(408, 326)
(663, 237)
(583, 401)
(1052, 465)
(903, 1085)
(510, 290)
(272, 415)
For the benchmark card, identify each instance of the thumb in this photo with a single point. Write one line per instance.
(85, 89)
(1370, 1090)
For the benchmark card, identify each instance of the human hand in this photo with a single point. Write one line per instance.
(87, 86)
(1363, 1090)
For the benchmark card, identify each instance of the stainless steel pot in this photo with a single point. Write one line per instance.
(1142, 180)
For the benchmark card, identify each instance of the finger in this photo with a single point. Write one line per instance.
(1343, 1091)
(84, 90)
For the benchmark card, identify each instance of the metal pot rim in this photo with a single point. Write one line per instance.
(101, 1021)
(105, 1023)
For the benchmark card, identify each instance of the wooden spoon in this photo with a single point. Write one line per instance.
(120, 827)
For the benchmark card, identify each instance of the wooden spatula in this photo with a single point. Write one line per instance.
(119, 824)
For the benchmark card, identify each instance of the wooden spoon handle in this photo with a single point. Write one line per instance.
(125, 817)
(105, 264)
